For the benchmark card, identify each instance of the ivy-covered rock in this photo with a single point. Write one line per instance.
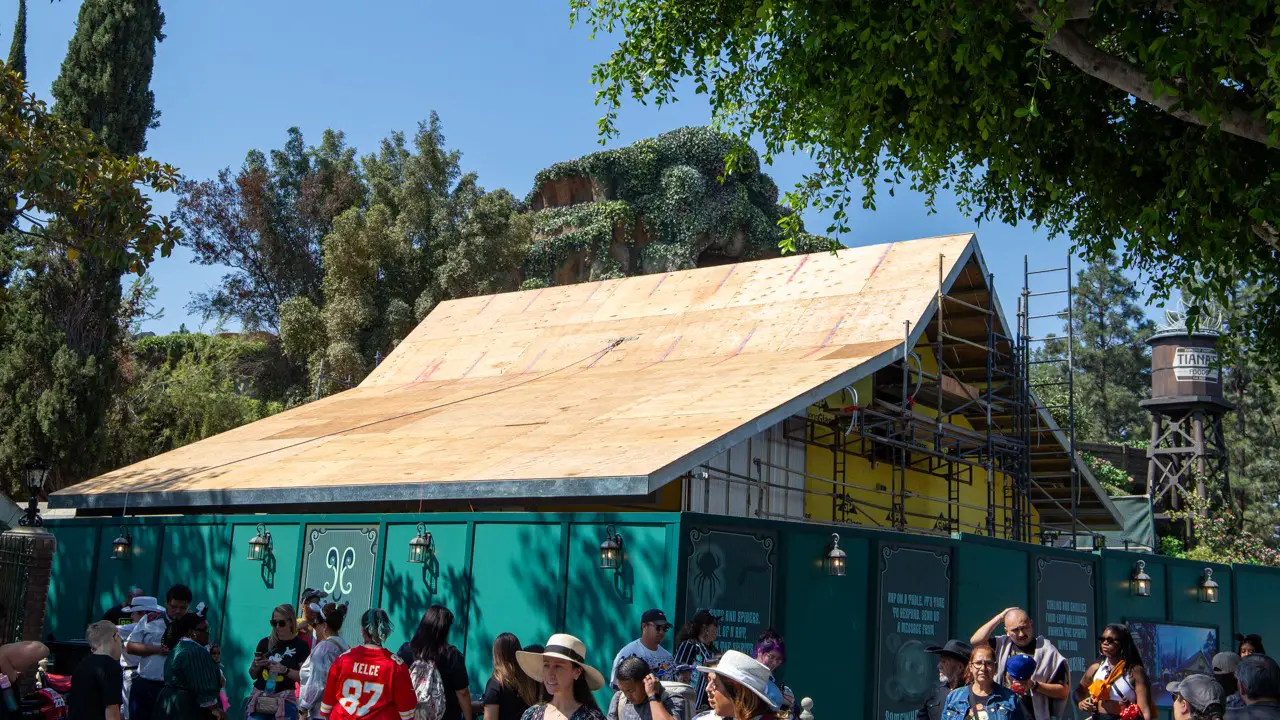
(665, 203)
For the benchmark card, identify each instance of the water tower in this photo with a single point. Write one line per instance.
(1187, 453)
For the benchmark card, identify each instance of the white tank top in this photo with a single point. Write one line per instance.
(1121, 689)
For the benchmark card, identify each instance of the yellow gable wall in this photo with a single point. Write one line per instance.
(819, 463)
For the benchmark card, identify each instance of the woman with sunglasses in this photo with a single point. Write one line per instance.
(1117, 680)
(275, 669)
(982, 698)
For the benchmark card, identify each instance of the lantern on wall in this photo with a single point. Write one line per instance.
(611, 550)
(35, 474)
(260, 544)
(1049, 536)
(835, 558)
(1140, 582)
(1208, 587)
(121, 545)
(420, 546)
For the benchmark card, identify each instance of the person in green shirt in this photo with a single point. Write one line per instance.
(192, 680)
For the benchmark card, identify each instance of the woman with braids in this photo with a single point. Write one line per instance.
(1117, 680)
(369, 682)
(192, 680)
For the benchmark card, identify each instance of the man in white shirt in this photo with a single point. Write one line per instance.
(653, 628)
(147, 643)
(137, 610)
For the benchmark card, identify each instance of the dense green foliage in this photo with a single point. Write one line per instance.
(17, 61)
(60, 325)
(1147, 126)
(105, 78)
(670, 199)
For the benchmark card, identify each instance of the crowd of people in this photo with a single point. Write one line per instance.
(153, 661)
(1019, 675)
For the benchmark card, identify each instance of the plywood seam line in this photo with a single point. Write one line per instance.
(597, 355)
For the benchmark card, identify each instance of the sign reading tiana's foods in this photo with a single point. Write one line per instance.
(731, 575)
(340, 560)
(1064, 609)
(915, 595)
(1192, 363)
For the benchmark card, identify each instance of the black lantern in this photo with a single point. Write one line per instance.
(35, 474)
(1140, 582)
(420, 547)
(1208, 587)
(1049, 536)
(835, 559)
(611, 550)
(260, 544)
(121, 545)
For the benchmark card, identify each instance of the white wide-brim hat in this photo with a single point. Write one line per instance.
(747, 672)
(143, 603)
(564, 647)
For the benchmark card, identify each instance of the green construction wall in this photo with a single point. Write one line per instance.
(532, 574)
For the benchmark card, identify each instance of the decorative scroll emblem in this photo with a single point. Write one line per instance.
(338, 586)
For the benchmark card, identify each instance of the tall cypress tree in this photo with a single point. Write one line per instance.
(105, 80)
(18, 48)
(61, 335)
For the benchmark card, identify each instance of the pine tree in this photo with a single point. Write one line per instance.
(18, 48)
(105, 78)
(60, 338)
(1111, 354)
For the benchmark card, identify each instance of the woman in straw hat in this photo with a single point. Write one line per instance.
(738, 688)
(564, 673)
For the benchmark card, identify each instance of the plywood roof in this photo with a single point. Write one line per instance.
(604, 388)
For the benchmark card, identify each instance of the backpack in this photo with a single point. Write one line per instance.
(428, 686)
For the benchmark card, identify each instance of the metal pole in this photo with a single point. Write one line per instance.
(1071, 402)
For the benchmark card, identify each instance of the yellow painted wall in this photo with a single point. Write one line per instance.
(820, 463)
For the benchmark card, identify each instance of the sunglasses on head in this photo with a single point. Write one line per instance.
(280, 623)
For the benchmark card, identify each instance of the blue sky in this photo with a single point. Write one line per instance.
(510, 80)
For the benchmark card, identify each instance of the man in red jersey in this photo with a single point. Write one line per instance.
(368, 682)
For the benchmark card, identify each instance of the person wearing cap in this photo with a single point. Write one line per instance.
(119, 615)
(648, 647)
(953, 656)
(1049, 684)
(139, 608)
(308, 604)
(1224, 671)
(984, 699)
(1118, 680)
(1197, 697)
(739, 687)
(566, 677)
(1259, 679)
(640, 695)
(695, 645)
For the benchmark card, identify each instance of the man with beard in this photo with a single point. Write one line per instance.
(1049, 686)
(952, 659)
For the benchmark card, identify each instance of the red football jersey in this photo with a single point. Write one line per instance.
(370, 684)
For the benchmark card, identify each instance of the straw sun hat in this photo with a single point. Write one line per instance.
(746, 671)
(563, 647)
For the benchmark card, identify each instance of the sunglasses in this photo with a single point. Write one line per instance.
(1105, 639)
(279, 623)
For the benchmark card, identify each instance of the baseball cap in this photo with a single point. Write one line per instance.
(1201, 692)
(957, 649)
(1225, 663)
(655, 616)
(704, 617)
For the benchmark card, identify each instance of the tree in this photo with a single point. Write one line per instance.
(1144, 125)
(18, 46)
(105, 78)
(1111, 355)
(267, 222)
(61, 334)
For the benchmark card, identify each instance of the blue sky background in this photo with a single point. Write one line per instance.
(510, 80)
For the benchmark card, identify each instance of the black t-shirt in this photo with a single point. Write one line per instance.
(291, 655)
(510, 706)
(96, 684)
(974, 701)
(116, 615)
(453, 673)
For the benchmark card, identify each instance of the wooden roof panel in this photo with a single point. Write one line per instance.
(491, 392)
